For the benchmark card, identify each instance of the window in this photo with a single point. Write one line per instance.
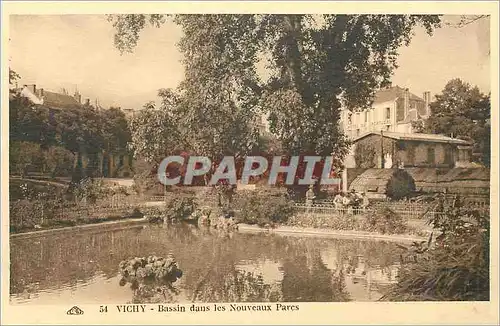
(430, 155)
(387, 113)
(366, 116)
(357, 132)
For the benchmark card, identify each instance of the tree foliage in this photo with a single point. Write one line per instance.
(154, 132)
(13, 77)
(462, 111)
(81, 130)
(316, 63)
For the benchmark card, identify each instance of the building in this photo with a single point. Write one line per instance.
(374, 152)
(393, 109)
(50, 99)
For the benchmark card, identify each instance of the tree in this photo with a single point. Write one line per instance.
(216, 107)
(22, 154)
(317, 63)
(80, 130)
(468, 19)
(116, 132)
(462, 111)
(154, 134)
(13, 77)
(58, 160)
(29, 122)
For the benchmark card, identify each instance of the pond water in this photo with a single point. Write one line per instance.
(217, 266)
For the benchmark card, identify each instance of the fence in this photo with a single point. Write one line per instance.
(115, 205)
(406, 210)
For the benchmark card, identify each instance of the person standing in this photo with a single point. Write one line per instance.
(346, 202)
(310, 196)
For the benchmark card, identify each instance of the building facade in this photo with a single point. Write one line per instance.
(393, 109)
(403, 150)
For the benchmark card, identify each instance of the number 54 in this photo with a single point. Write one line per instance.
(103, 309)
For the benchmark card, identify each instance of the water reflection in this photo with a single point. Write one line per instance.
(217, 266)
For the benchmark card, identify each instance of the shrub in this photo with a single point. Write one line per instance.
(58, 161)
(454, 268)
(264, 207)
(23, 214)
(91, 190)
(136, 213)
(26, 213)
(401, 185)
(336, 222)
(384, 221)
(22, 155)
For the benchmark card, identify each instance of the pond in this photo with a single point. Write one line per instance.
(217, 266)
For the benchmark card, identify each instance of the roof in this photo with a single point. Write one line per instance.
(379, 180)
(433, 138)
(392, 94)
(454, 180)
(57, 100)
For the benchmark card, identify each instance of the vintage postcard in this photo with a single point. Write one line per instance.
(249, 163)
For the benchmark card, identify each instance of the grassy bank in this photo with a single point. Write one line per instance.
(58, 223)
(378, 223)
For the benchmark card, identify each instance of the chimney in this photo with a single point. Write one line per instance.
(407, 100)
(77, 97)
(32, 88)
(87, 102)
(40, 93)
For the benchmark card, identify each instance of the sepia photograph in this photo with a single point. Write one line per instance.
(219, 163)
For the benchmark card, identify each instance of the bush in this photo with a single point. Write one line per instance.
(264, 207)
(335, 222)
(179, 206)
(26, 213)
(23, 155)
(23, 214)
(384, 221)
(58, 161)
(145, 180)
(91, 190)
(401, 185)
(454, 268)
(136, 213)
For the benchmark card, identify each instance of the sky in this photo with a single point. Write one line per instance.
(77, 52)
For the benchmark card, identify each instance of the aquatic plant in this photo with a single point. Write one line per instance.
(150, 278)
(453, 268)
